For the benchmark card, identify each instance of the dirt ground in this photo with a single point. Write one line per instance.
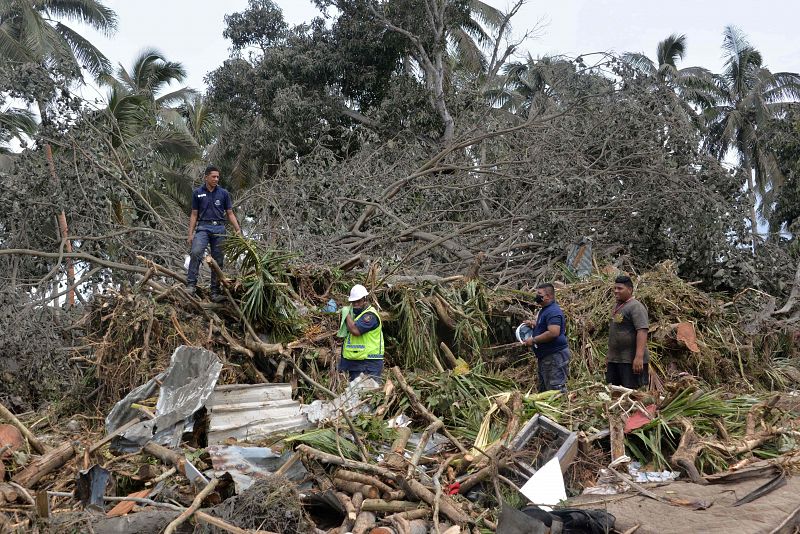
(778, 512)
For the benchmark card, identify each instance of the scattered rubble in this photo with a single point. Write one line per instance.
(218, 426)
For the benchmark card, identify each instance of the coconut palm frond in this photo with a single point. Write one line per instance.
(90, 12)
(265, 293)
(87, 55)
(640, 63)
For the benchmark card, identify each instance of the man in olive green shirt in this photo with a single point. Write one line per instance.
(627, 338)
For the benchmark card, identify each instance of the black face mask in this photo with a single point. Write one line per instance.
(538, 299)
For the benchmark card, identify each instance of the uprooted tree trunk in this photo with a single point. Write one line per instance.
(687, 451)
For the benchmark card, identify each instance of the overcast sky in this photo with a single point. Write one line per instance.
(190, 31)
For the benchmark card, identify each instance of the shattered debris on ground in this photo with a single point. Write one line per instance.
(207, 417)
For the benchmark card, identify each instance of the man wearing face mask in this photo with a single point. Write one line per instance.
(549, 341)
(362, 351)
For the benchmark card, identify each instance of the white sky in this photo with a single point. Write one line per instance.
(190, 31)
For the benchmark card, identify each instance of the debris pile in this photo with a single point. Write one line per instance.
(231, 417)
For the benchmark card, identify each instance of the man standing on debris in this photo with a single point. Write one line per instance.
(362, 351)
(549, 341)
(627, 338)
(211, 205)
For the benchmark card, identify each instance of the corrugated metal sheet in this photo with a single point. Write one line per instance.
(252, 412)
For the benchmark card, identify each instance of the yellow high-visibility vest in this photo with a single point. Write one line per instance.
(368, 346)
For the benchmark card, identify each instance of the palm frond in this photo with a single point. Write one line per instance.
(639, 62)
(88, 55)
(671, 49)
(265, 291)
(17, 121)
(89, 12)
(175, 97)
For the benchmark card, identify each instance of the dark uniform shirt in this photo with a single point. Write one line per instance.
(552, 314)
(211, 205)
(366, 322)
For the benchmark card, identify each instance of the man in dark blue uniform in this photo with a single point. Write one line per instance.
(211, 205)
(549, 341)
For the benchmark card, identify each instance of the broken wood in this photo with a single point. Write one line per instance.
(42, 504)
(449, 357)
(198, 500)
(446, 505)
(282, 470)
(112, 435)
(37, 445)
(421, 512)
(326, 458)
(361, 478)
(355, 487)
(395, 459)
(347, 504)
(364, 522)
(383, 506)
(422, 410)
(44, 465)
(688, 449)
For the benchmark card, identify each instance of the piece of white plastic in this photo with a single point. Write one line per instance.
(546, 488)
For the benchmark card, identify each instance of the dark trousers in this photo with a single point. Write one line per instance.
(621, 374)
(353, 368)
(206, 235)
(553, 370)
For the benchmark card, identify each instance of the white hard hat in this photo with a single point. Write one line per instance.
(357, 293)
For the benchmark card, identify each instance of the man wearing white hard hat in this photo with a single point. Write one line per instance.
(362, 351)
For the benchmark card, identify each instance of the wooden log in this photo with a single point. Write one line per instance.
(358, 500)
(420, 513)
(44, 465)
(112, 435)
(394, 495)
(368, 480)
(449, 357)
(382, 506)
(42, 504)
(166, 455)
(364, 522)
(9, 493)
(423, 440)
(198, 500)
(422, 410)
(37, 445)
(395, 459)
(326, 458)
(446, 505)
(224, 525)
(352, 488)
(282, 470)
(347, 503)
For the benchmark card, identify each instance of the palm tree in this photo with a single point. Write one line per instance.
(138, 108)
(33, 32)
(685, 88)
(529, 85)
(748, 97)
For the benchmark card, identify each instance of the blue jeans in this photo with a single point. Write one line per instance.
(553, 371)
(205, 235)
